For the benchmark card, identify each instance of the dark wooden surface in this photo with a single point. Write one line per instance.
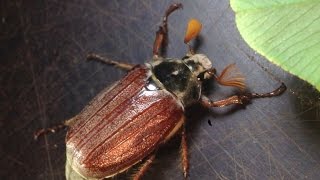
(45, 80)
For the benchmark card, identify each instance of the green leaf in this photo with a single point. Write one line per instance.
(287, 32)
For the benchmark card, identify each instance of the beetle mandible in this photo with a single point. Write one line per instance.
(127, 122)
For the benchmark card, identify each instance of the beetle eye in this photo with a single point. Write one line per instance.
(201, 76)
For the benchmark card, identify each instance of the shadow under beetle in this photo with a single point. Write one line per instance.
(127, 122)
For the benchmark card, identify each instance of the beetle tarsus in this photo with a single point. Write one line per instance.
(273, 93)
(242, 99)
(248, 96)
(124, 66)
(162, 33)
(44, 131)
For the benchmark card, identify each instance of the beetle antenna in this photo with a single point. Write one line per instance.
(193, 30)
(230, 76)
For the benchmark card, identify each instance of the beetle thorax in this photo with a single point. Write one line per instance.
(198, 63)
(180, 76)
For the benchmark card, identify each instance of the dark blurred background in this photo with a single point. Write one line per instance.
(45, 79)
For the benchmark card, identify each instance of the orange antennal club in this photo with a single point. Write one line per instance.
(193, 29)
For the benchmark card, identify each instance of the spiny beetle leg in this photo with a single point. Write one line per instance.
(161, 34)
(242, 99)
(184, 153)
(144, 167)
(124, 66)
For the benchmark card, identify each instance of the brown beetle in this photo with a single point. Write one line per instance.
(127, 122)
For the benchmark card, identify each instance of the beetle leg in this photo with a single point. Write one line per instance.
(241, 99)
(44, 131)
(124, 66)
(53, 129)
(184, 153)
(144, 167)
(162, 33)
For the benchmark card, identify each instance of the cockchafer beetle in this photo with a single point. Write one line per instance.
(127, 122)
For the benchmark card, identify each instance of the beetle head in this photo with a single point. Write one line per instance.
(199, 64)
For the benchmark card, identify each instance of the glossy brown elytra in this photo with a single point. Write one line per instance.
(127, 122)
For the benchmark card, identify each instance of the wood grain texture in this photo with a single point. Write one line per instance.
(121, 126)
